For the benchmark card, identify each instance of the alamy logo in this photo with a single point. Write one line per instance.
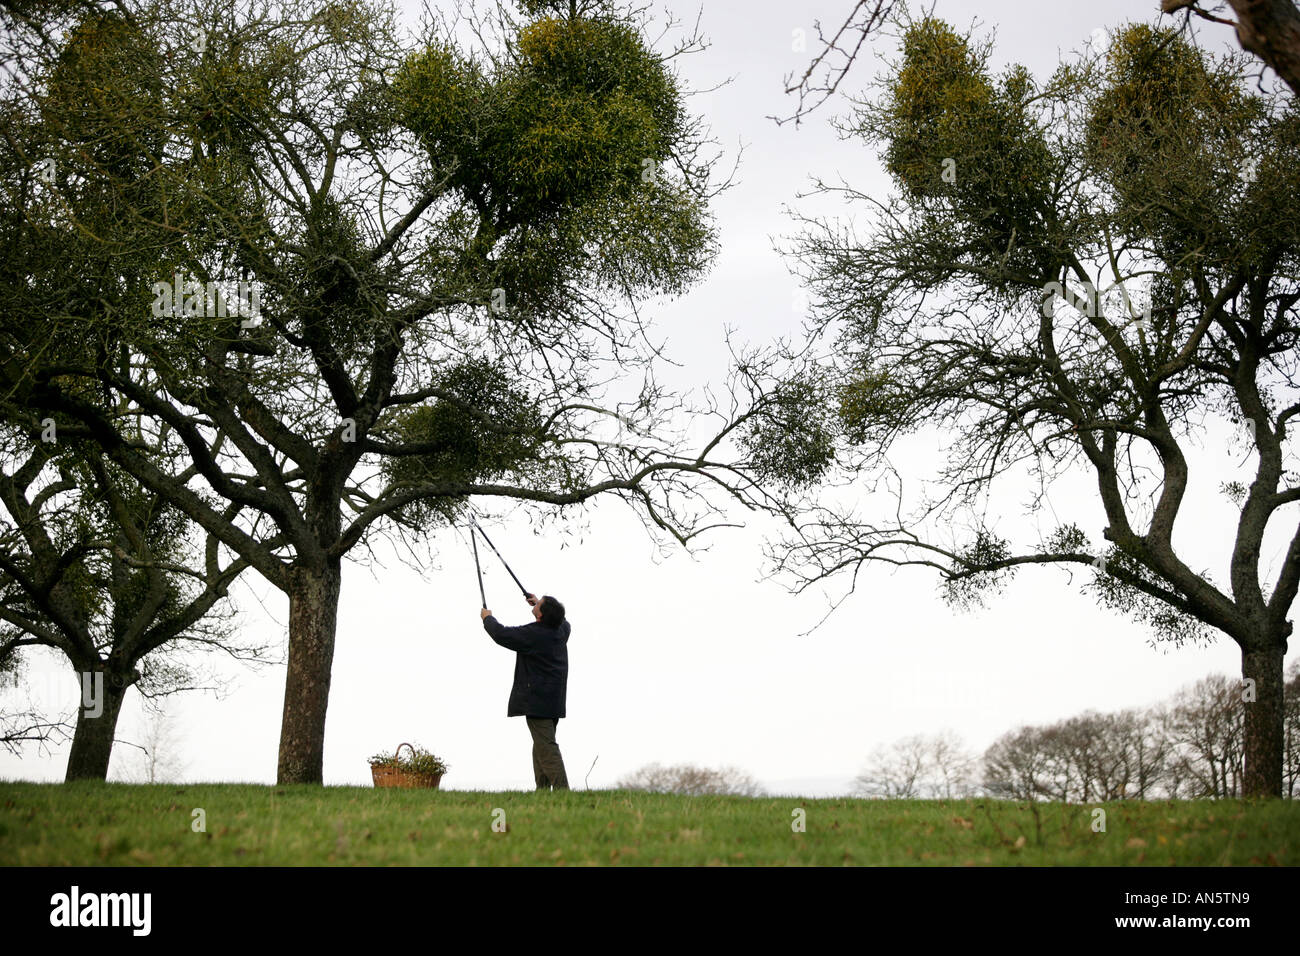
(102, 909)
(184, 296)
(1114, 303)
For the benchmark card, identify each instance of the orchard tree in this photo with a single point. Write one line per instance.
(1268, 28)
(1073, 276)
(100, 570)
(93, 565)
(369, 283)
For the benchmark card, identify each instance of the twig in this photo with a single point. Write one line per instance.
(1038, 825)
(1005, 840)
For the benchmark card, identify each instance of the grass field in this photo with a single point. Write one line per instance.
(91, 824)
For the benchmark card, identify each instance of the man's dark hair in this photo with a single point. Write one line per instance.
(552, 611)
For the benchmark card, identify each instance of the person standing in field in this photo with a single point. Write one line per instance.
(541, 679)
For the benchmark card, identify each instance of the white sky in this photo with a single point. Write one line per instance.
(693, 659)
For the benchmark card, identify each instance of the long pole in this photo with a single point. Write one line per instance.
(523, 589)
(474, 542)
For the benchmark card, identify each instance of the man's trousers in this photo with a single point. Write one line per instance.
(548, 765)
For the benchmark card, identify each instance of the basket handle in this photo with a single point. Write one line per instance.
(399, 750)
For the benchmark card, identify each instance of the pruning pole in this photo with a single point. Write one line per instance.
(522, 589)
(474, 541)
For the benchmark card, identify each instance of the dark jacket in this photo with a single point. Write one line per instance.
(541, 666)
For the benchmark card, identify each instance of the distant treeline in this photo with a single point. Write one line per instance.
(1187, 747)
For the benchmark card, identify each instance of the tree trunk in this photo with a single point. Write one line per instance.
(313, 615)
(1271, 30)
(92, 741)
(1263, 731)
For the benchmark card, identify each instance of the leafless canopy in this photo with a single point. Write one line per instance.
(833, 61)
(692, 780)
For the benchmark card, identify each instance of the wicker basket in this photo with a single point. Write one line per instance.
(390, 776)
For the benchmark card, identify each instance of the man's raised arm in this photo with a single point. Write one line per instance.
(514, 638)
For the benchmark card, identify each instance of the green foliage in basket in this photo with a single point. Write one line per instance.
(421, 762)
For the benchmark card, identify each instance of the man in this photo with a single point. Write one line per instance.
(541, 678)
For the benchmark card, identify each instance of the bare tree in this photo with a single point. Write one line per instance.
(1064, 778)
(1016, 765)
(692, 780)
(1088, 757)
(894, 771)
(1189, 748)
(1116, 756)
(953, 768)
(1206, 727)
(159, 759)
(919, 767)
(1041, 763)
(1146, 752)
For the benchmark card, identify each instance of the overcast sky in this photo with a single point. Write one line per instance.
(694, 658)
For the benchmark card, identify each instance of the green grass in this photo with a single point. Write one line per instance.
(92, 824)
